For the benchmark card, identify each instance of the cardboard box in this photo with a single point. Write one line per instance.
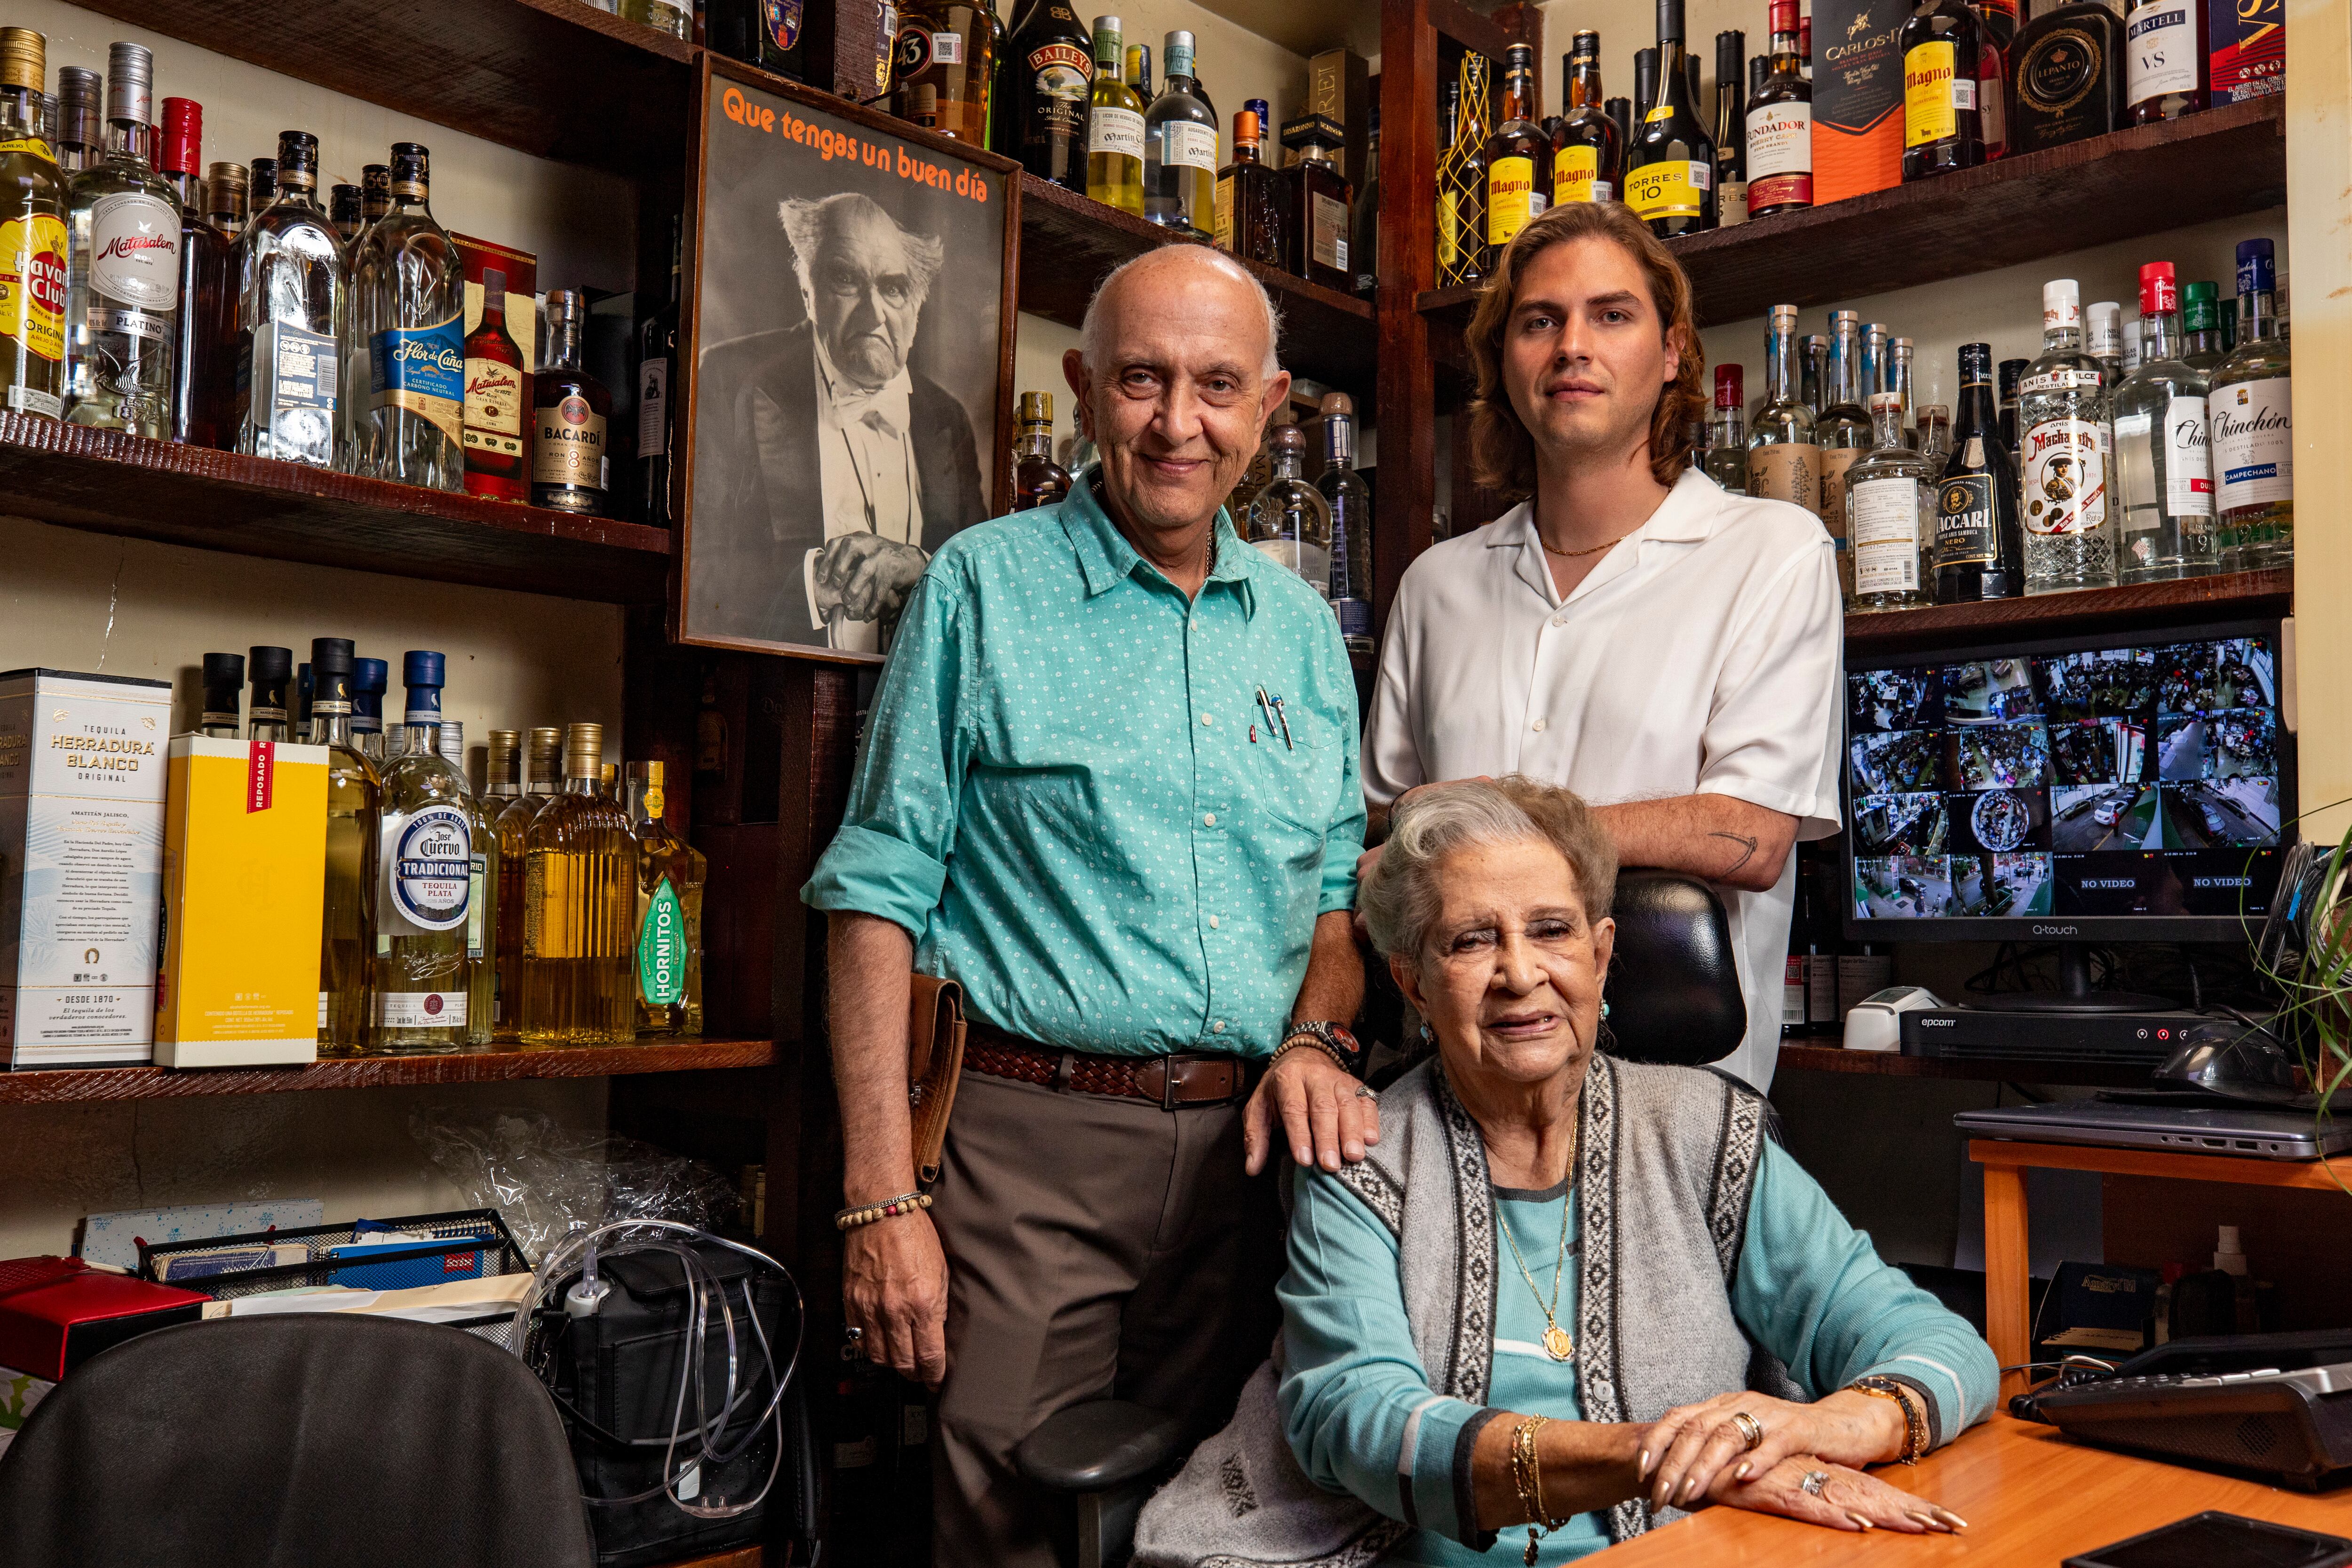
(485, 381)
(2249, 55)
(245, 863)
(57, 1313)
(1858, 99)
(1339, 90)
(81, 860)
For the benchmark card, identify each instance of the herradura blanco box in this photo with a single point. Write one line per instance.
(81, 854)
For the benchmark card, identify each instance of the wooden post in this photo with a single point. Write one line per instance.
(2008, 1326)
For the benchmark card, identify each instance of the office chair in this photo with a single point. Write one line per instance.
(317, 1440)
(1673, 996)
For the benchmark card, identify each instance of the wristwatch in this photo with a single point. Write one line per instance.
(1336, 1040)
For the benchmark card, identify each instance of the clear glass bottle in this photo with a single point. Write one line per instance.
(1812, 370)
(81, 118)
(290, 305)
(122, 266)
(224, 691)
(669, 877)
(2253, 426)
(354, 818)
(1727, 436)
(570, 470)
(481, 919)
(370, 679)
(261, 183)
(2201, 317)
(32, 244)
(2163, 467)
(1114, 126)
(2103, 339)
(406, 322)
(1890, 500)
(511, 822)
(1350, 502)
(1871, 378)
(2065, 497)
(1180, 142)
(343, 211)
(1842, 431)
(430, 895)
(1289, 519)
(1934, 429)
(1784, 457)
(269, 670)
(579, 894)
(1896, 377)
(1037, 479)
(501, 788)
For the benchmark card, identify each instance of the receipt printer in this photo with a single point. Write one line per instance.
(57, 1313)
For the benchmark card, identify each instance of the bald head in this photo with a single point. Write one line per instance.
(1199, 273)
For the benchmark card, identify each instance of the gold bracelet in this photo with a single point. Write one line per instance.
(1527, 1475)
(1915, 1427)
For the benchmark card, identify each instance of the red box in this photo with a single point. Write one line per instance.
(57, 1313)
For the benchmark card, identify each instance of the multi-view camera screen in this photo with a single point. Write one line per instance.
(2123, 781)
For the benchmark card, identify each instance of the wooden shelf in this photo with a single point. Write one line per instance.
(2224, 163)
(2310, 1176)
(41, 1086)
(2229, 596)
(111, 483)
(1069, 242)
(1894, 1064)
(556, 79)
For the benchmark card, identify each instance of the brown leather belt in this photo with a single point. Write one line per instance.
(1184, 1078)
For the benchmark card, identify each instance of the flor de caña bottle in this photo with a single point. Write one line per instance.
(405, 341)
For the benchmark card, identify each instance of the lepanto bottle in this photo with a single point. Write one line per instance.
(406, 334)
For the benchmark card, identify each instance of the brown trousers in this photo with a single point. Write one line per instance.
(1097, 1249)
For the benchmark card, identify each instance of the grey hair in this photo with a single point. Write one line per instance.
(1090, 331)
(805, 222)
(1402, 899)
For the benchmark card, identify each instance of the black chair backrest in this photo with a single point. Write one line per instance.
(1673, 985)
(317, 1440)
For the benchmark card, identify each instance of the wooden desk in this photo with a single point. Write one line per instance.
(2031, 1496)
(2007, 1328)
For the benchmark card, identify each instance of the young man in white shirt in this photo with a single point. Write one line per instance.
(1669, 652)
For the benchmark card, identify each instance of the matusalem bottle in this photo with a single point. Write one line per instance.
(670, 873)
(1670, 168)
(579, 897)
(498, 396)
(569, 469)
(32, 236)
(406, 315)
(1980, 547)
(354, 823)
(436, 853)
(291, 302)
(1588, 158)
(122, 266)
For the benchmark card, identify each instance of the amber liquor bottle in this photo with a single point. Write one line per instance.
(1462, 254)
(498, 388)
(1588, 156)
(1780, 128)
(1519, 165)
(1980, 543)
(1249, 198)
(1942, 44)
(2167, 71)
(2069, 76)
(1037, 479)
(570, 470)
(1316, 204)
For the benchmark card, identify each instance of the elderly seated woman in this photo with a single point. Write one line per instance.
(1557, 1293)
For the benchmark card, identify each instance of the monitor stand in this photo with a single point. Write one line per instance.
(2076, 994)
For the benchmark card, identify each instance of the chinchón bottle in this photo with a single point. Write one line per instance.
(579, 894)
(1179, 141)
(2254, 428)
(1462, 255)
(1037, 479)
(1842, 432)
(1727, 432)
(1114, 127)
(1351, 501)
(405, 333)
(1519, 165)
(32, 236)
(1942, 42)
(2201, 318)
(1588, 159)
(2163, 462)
(1784, 457)
(122, 266)
(669, 877)
(354, 813)
(511, 823)
(224, 692)
(289, 304)
(2062, 412)
(1670, 168)
(1780, 127)
(430, 930)
(1890, 501)
(1979, 548)
(1049, 67)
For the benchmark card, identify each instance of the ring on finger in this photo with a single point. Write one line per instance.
(1814, 1482)
(1750, 1429)
(1365, 1092)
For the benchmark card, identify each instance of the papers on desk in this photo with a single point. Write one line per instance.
(452, 1302)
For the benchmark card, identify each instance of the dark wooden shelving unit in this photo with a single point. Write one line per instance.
(2229, 596)
(1988, 1070)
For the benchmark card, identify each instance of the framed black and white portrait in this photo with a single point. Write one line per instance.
(849, 351)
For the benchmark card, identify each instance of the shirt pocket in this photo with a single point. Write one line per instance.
(1297, 785)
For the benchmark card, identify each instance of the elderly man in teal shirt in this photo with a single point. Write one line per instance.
(1109, 785)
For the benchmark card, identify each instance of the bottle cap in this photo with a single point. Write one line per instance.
(369, 676)
(2106, 329)
(925, 104)
(262, 181)
(1585, 46)
(453, 744)
(1288, 438)
(1784, 15)
(269, 665)
(411, 170)
(24, 59)
(2061, 303)
(297, 161)
(343, 204)
(183, 136)
(502, 742)
(375, 187)
(1886, 402)
(1107, 42)
(2159, 289)
(1976, 364)
(1519, 56)
(1846, 318)
(2200, 307)
(78, 91)
(332, 655)
(130, 84)
(1036, 408)
(1337, 404)
(1670, 21)
(1784, 313)
(583, 751)
(1265, 111)
(422, 669)
(2257, 267)
(1730, 381)
(224, 670)
(2011, 373)
(1245, 128)
(494, 289)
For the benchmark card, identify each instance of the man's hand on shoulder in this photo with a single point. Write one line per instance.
(1324, 1112)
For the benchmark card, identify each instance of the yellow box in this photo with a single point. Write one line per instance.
(245, 871)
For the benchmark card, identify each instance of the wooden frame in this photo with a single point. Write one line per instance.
(997, 181)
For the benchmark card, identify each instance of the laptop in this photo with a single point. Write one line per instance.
(2248, 1131)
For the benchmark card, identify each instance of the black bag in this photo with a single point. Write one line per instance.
(615, 1376)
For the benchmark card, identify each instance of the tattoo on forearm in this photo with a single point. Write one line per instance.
(1746, 850)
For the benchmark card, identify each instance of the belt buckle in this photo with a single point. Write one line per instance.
(1168, 1084)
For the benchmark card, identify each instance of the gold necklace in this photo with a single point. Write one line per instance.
(1572, 554)
(1555, 1341)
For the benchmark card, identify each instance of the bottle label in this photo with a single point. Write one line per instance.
(477, 905)
(1965, 522)
(1674, 189)
(1988, 93)
(1787, 472)
(886, 31)
(661, 948)
(1329, 234)
(569, 448)
(420, 1009)
(1575, 170)
(1885, 516)
(2160, 51)
(1792, 994)
(1931, 94)
(1510, 187)
(2253, 443)
(1186, 145)
(1222, 228)
(1117, 132)
(947, 48)
(2188, 459)
(427, 876)
(300, 366)
(2065, 477)
(134, 255)
(1835, 461)
(2060, 70)
(652, 407)
(1821, 990)
(493, 408)
(1780, 156)
(2062, 380)
(422, 370)
(911, 56)
(1603, 191)
(782, 19)
(1731, 203)
(1061, 77)
(33, 286)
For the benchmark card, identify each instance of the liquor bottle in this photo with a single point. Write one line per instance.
(569, 469)
(2163, 466)
(201, 367)
(1844, 431)
(580, 868)
(950, 47)
(769, 34)
(1997, 31)
(1645, 87)
(2103, 338)
(1731, 101)
(1812, 370)
(482, 920)
(261, 184)
(1670, 168)
(498, 390)
(406, 321)
(1727, 436)
(656, 373)
(223, 688)
(452, 746)
(1979, 548)
(1248, 212)
(2167, 71)
(123, 268)
(81, 118)
(1942, 43)
(511, 824)
(1289, 519)
(2067, 77)
(1350, 502)
(375, 193)
(502, 790)
(1364, 244)
(1037, 479)
(1896, 378)
(370, 677)
(431, 893)
(267, 671)
(1049, 75)
(354, 826)
(1780, 128)
(1588, 155)
(2254, 428)
(1621, 113)
(225, 201)
(1180, 146)
(2200, 316)
(303, 694)
(2062, 408)
(343, 211)
(291, 300)
(1315, 204)
(1519, 165)
(1114, 127)
(32, 236)
(1784, 459)
(2011, 373)
(675, 17)
(1462, 257)
(670, 873)
(1890, 500)
(1870, 374)
(1797, 964)
(1934, 429)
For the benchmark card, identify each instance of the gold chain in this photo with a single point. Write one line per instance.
(1572, 554)
(1556, 1340)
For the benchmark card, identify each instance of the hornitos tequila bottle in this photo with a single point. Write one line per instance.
(1289, 519)
(579, 984)
(511, 822)
(670, 874)
(406, 332)
(429, 929)
(2163, 468)
(2253, 425)
(354, 813)
(32, 236)
(289, 307)
(1890, 501)
(2066, 505)
(122, 266)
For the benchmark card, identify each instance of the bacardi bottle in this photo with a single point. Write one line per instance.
(122, 266)
(289, 304)
(407, 318)
(2163, 469)
(429, 914)
(569, 469)
(2253, 425)
(32, 236)
(2069, 521)
(1979, 548)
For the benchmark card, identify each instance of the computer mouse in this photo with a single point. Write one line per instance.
(2232, 1058)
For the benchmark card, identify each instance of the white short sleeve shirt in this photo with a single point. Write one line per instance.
(1701, 656)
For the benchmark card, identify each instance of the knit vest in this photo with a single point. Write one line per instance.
(1666, 1164)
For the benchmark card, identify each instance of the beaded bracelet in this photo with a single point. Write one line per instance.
(873, 1213)
(1335, 1041)
(1914, 1426)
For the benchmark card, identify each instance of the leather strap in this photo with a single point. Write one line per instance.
(935, 1049)
(1184, 1078)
